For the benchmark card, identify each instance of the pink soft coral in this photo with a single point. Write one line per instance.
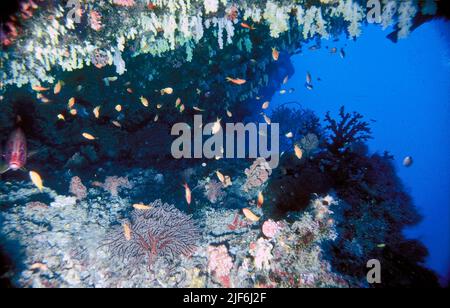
(124, 2)
(261, 250)
(257, 174)
(270, 228)
(95, 19)
(114, 183)
(220, 264)
(77, 188)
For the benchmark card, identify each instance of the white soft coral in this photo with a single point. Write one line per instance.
(277, 17)
(211, 6)
(407, 10)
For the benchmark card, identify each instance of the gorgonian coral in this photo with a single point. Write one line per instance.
(162, 231)
(349, 129)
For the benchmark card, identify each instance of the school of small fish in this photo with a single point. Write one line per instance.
(216, 128)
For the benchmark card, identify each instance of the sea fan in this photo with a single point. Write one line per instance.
(349, 129)
(162, 231)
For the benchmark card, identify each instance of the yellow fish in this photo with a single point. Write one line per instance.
(159, 106)
(168, 91)
(37, 180)
(250, 215)
(57, 88)
(182, 108)
(71, 103)
(289, 135)
(127, 231)
(61, 117)
(118, 108)
(220, 176)
(88, 136)
(265, 105)
(229, 114)
(96, 112)
(141, 207)
(177, 102)
(144, 101)
(73, 112)
(298, 151)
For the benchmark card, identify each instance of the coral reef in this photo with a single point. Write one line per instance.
(323, 215)
(69, 245)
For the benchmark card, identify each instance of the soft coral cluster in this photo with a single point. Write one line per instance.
(220, 264)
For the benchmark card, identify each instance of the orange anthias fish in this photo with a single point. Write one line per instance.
(298, 151)
(16, 151)
(260, 201)
(235, 81)
(250, 215)
(275, 54)
(39, 88)
(57, 88)
(247, 26)
(188, 193)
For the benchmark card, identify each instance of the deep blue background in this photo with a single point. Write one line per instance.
(405, 88)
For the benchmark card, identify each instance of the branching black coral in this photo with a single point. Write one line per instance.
(347, 130)
(161, 231)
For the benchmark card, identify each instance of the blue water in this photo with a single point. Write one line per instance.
(405, 88)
